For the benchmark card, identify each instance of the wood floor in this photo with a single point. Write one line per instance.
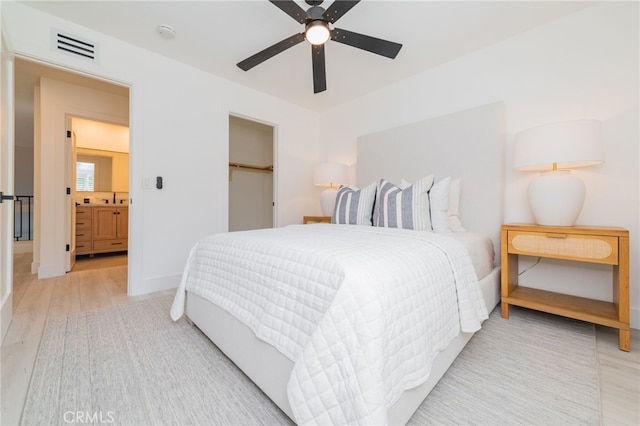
(93, 283)
(98, 283)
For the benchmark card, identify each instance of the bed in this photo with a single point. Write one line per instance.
(352, 356)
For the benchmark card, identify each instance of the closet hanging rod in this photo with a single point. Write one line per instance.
(250, 167)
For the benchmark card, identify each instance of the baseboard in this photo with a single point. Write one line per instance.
(151, 285)
(50, 271)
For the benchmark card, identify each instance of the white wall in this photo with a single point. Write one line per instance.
(24, 170)
(179, 127)
(103, 136)
(582, 66)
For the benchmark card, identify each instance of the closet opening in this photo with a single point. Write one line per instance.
(251, 174)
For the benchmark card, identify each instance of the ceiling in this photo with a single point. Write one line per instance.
(215, 35)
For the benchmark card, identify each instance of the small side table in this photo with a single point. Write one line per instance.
(316, 219)
(608, 246)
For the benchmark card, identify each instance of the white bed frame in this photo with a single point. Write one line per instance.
(473, 139)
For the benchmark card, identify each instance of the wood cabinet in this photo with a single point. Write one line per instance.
(608, 246)
(84, 221)
(316, 219)
(101, 229)
(110, 229)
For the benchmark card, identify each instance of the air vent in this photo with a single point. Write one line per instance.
(73, 45)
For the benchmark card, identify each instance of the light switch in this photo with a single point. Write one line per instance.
(147, 183)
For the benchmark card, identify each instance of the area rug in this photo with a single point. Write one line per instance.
(132, 365)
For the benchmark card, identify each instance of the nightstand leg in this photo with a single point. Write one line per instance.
(624, 340)
(504, 310)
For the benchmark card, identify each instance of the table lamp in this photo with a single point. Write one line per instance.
(330, 175)
(555, 195)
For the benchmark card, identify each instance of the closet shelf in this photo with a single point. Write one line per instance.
(233, 166)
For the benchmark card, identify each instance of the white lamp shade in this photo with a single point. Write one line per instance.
(569, 144)
(556, 196)
(330, 174)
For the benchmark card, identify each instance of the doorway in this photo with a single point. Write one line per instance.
(251, 174)
(75, 96)
(99, 181)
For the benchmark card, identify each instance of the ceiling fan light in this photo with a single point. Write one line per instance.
(317, 32)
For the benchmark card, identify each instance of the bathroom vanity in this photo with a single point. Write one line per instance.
(101, 228)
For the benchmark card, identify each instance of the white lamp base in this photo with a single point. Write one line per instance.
(556, 198)
(328, 201)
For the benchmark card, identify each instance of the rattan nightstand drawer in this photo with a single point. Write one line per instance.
(569, 246)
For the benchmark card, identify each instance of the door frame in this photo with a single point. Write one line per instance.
(74, 111)
(7, 148)
(274, 154)
(70, 177)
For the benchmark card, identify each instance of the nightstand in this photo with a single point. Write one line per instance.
(608, 246)
(316, 219)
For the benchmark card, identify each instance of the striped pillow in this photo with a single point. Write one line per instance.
(354, 206)
(403, 208)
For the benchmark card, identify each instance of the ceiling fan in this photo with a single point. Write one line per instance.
(317, 32)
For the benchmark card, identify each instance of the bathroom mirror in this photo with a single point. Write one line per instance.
(101, 171)
(93, 173)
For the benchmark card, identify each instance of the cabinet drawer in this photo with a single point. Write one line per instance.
(83, 212)
(83, 235)
(83, 247)
(586, 248)
(83, 224)
(110, 245)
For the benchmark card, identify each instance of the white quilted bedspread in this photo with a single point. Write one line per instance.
(362, 311)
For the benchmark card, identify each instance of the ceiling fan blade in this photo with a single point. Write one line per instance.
(337, 9)
(319, 73)
(365, 42)
(270, 52)
(292, 9)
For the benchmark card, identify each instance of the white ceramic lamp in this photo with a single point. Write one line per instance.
(555, 195)
(330, 175)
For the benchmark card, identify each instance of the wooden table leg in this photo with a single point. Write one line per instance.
(624, 340)
(504, 310)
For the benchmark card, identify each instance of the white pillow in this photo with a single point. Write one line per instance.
(354, 206)
(439, 202)
(444, 200)
(406, 208)
(454, 203)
